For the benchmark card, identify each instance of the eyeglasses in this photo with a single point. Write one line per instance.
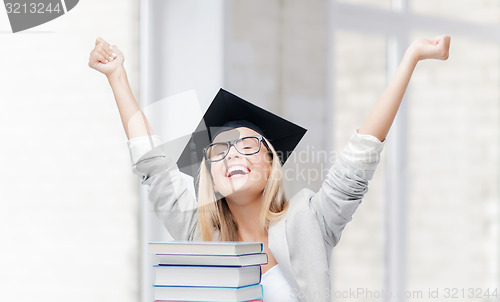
(247, 145)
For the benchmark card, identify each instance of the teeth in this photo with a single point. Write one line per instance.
(234, 169)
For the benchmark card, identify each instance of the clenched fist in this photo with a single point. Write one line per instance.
(105, 58)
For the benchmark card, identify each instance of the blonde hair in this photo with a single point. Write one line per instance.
(214, 213)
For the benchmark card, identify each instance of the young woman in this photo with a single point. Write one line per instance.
(240, 194)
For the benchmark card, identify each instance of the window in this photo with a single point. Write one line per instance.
(430, 219)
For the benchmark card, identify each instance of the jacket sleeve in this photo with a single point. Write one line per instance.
(170, 192)
(345, 185)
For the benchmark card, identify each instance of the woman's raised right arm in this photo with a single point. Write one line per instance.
(109, 60)
(169, 192)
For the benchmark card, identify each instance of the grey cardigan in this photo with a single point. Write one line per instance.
(302, 241)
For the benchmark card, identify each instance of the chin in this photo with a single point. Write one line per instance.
(235, 185)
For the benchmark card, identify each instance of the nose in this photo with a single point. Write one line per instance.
(232, 153)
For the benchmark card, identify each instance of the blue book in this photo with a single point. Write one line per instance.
(206, 247)
(211, 260)
(197, 293)
(211, 276)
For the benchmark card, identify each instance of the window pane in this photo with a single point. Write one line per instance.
(385, 4)
(487, 11)
(454, 120)
(359, 79)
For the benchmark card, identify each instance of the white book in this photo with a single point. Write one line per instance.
(214, 276)
(206, 247)
(220, 294)
(223, 260)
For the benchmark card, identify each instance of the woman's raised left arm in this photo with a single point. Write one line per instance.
(347, 181)
(380, 119)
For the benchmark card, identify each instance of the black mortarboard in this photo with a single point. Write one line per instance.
(228, 111)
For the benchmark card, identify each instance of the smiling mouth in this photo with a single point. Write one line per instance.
(237, 171)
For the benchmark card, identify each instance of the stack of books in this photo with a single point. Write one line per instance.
(208, 271)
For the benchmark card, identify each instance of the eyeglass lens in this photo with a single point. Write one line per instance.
(244, 145)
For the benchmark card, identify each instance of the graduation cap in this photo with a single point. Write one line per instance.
(228, 111)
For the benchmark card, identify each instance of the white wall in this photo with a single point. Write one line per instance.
(68, 201)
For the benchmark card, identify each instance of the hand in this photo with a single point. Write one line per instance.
(105, 58)
(437, 48)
